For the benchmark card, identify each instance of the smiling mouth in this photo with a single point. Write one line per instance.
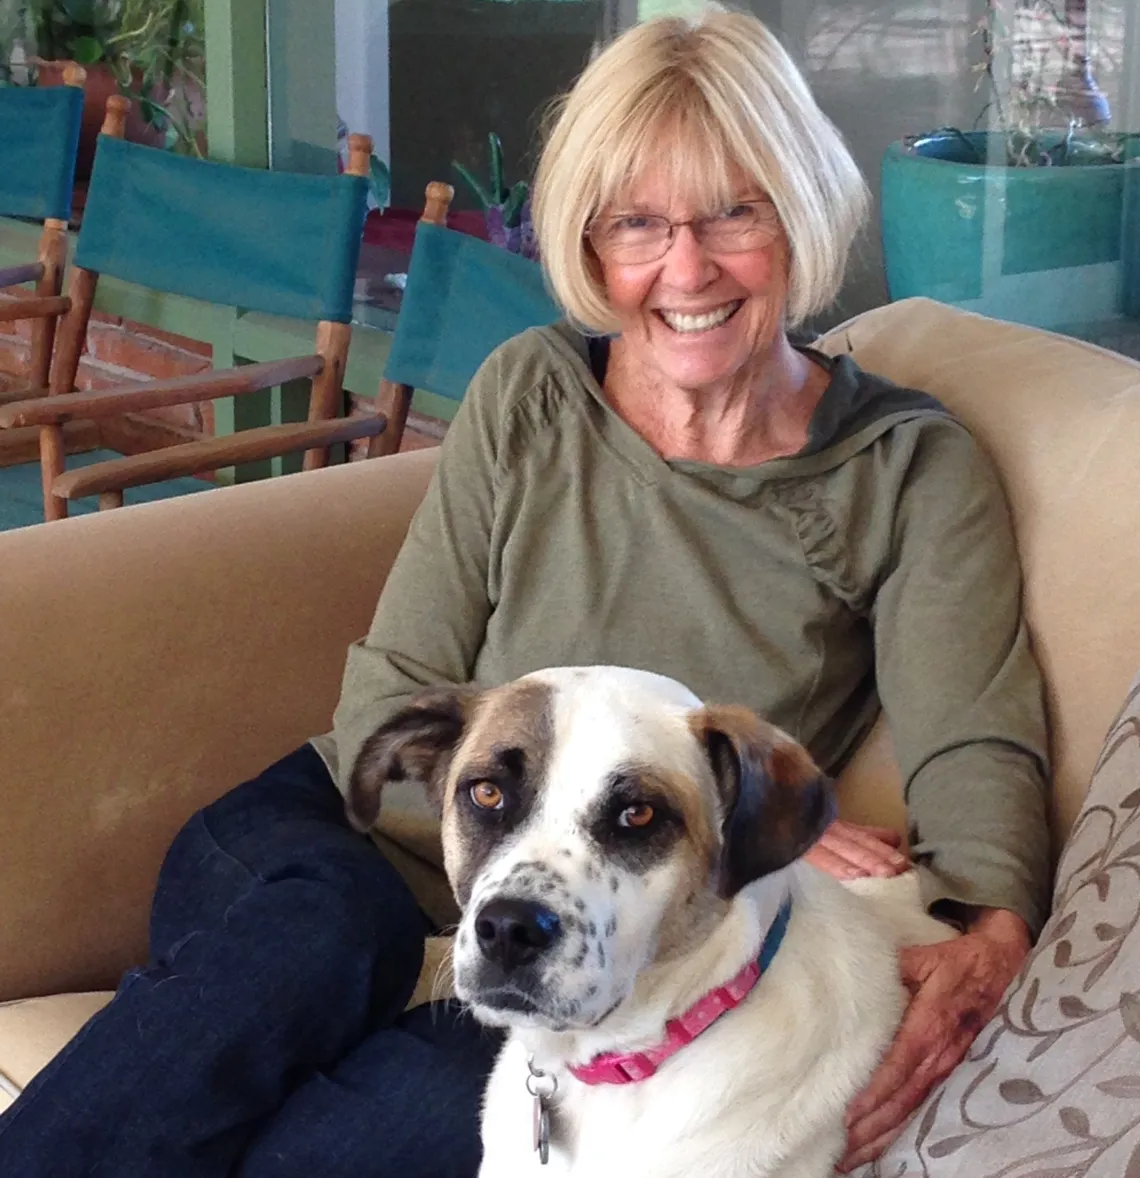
(684, 324)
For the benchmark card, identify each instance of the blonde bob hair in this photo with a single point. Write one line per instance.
(712, 99)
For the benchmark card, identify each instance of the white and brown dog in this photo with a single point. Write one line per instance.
(682, 998)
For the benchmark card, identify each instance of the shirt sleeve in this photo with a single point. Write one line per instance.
(959, 684)
(432, 613)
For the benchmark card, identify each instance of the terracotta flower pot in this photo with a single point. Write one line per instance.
(100, 86)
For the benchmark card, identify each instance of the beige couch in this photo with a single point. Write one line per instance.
(152, 657)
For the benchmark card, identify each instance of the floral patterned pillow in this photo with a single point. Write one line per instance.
(1051, 1088)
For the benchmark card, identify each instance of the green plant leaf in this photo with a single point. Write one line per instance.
(87, 50)
(154, 116)
(496, 152)
(380, 181)
(513, 205)
(481, 194)
(80, 12)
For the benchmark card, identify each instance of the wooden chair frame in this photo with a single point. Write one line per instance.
(62, 407)
(394, 400)
(44, 306)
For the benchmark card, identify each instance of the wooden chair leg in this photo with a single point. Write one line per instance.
(393, 401)
(72, 333)
(51, 466)
(325, 400)
(53, 256)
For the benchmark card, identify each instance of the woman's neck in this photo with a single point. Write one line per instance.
(763, 412)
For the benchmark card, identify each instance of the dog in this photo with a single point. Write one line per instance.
(681, 996)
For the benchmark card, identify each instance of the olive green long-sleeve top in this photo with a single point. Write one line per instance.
(875, 568)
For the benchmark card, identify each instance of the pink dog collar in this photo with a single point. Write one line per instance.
(617, 1068)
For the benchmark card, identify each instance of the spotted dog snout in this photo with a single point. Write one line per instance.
(511, 933)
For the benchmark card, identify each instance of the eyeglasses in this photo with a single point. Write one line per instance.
(634, 238)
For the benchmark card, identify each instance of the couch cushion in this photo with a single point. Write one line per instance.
(1061, 420)
(152, 658)
(1054, 1081)
(32, 1030)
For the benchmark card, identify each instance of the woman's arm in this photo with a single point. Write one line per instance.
(432, 613)
(964, 701)
(959, 685)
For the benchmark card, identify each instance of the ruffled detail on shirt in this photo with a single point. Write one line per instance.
(826, 552)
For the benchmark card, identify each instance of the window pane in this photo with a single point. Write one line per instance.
(430, 79)
(886, 71)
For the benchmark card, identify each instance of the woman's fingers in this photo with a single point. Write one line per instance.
(957, 986)
(883, 834)
(847, 851)
(831, 863)
(925, 1053)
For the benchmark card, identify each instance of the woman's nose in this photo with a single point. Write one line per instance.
(687, 265)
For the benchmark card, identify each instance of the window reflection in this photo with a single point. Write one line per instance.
(460, 69)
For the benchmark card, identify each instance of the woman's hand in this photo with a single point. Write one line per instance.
(956, 986)
(847, 851)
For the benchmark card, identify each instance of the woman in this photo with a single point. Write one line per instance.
(679, 488)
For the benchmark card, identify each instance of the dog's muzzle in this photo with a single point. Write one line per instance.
(515, 942)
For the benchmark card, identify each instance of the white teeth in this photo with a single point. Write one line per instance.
(704, 322)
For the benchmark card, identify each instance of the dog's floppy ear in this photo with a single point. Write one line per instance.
(417, 743)
(776, 801)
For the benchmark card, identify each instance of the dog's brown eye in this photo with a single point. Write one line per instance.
(487, 796)
(638, 815)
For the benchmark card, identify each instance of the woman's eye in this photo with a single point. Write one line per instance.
(738, 213)
(637, 816)
(634, 223)
(487, 796)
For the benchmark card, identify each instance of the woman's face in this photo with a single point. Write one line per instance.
(698, 317)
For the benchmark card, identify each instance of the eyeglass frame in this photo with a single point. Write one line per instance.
(673, 226)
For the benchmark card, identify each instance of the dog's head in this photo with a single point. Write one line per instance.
(595, 821)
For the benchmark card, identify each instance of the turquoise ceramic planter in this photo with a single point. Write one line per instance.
(950, 224)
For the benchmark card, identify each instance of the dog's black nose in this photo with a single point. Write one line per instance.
(513, 932)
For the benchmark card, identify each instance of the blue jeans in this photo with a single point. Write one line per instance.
(266, 1038)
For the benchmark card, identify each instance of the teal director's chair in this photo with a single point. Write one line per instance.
(274, 242)
(39, 136)
(463, 298)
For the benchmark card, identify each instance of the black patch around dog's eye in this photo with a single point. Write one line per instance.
(506, 773)
(483, 828)
(636, 848)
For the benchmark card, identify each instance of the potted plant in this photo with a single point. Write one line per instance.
(150, 50)
(506, 210)
(976, 216)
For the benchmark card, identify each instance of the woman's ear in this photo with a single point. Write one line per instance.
(417, 743)
(776, 801)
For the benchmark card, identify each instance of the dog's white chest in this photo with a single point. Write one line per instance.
(684, 1121)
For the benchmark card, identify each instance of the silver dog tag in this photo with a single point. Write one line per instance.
(542, 1086)
(541, 1130)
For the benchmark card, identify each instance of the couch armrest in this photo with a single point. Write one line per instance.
(150, 658)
